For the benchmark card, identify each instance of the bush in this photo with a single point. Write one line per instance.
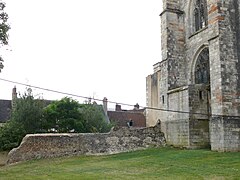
(67, 115)
(11, 135)
(28, 112)
(94, 119)
(25, 118)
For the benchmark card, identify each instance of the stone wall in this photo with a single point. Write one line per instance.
(156, 94)
(225, 133)
(182, 45)
(225, 76)
(177, 132)
(36, 146)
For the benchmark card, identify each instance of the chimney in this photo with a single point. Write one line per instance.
(136, 107)
(105, 109)
(118, 107)
(14, 97)
(105, 102)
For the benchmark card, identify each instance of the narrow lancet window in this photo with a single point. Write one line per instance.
(200, 14)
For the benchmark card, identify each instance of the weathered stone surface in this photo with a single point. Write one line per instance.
(192, 105)
(36, 146)
(225, 134)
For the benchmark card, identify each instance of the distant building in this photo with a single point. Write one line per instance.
(127, 118)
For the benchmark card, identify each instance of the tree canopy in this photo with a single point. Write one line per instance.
(31, 115)
(4, 28)
(67, 115)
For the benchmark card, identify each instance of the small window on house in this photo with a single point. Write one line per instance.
(200, 14)
(163, 99)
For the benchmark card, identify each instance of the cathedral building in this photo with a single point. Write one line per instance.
(195, 89)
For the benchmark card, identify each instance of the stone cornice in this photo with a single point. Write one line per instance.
(177, 11)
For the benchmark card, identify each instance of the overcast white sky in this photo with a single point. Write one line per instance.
(100, 48)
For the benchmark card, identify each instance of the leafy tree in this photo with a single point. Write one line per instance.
(4, 28)
(28, 111)
(94, 118)
(11, 135)
(25, 118)
(67, 115)
(63, 116)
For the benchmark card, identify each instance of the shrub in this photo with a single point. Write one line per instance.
(11, 135)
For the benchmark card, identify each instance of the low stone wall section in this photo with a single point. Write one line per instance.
(37, 146)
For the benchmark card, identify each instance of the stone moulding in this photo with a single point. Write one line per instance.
(38, 146)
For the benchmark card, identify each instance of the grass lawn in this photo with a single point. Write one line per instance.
(165, 163)
(3, 158)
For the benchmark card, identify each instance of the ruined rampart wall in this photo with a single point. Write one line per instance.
(36, 146)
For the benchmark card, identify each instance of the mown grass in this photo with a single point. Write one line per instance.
(165, 163)
(3, 158)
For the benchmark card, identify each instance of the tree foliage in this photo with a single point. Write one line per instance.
(62, 116)
(11, 135)
(94, 118)
(31, 115)
(4, 28)
(25, 118)
(67, 115)
(28, 111)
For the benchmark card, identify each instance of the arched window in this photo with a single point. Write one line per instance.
(202, 74)
(200, 14)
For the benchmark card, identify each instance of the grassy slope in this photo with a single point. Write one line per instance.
(3, 158)
(148, 164)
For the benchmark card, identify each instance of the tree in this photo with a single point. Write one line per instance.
(67, 115)
(11, 135)
(28, 111)
(30, 115)
(63, 116)
(25, 118)
(94, 118)
(4, 28)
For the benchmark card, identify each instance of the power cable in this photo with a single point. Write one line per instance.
(113, 102)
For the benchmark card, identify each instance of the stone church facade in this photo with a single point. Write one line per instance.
(195, 90)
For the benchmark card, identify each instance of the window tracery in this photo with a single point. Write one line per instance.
(200, 14)
(202, 74)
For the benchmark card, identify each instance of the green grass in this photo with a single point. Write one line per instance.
(3, 158)
(165, 163)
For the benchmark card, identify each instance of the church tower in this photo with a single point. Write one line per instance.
(196, 85)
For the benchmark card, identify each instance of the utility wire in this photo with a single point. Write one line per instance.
(112, 102)
(60, 92)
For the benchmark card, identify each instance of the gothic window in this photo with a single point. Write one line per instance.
(202, 74)
(200, 14)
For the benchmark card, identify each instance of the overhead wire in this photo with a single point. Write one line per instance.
(111, 102)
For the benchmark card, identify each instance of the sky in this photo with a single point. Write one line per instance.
(91, 48)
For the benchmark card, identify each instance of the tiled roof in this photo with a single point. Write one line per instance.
(5, 110)
(121, 118)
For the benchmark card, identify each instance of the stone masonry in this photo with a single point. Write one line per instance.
(36, 146)
(198, 80)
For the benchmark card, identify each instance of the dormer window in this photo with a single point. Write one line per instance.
(200, 14)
